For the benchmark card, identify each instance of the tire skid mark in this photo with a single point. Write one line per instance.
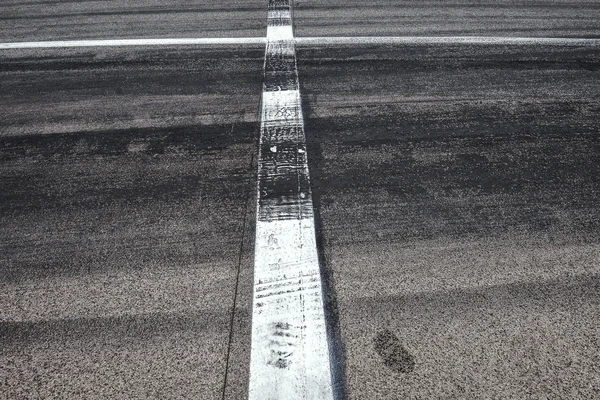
(286, 283)
(290, 351)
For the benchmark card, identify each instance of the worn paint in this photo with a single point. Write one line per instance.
(289, 355)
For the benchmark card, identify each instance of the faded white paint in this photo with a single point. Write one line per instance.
(290, 357)
(279, 33)
(279, 14)
(281, 107)
(290, 350)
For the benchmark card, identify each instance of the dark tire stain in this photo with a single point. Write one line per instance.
(315, 160)
(393, 354)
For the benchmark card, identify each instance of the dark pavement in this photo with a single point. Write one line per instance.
(531, 18)
(127, 181)
(458, 193)
(456, 188)
(35, 20)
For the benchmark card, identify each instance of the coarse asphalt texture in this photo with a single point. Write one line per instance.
(128, 180)
(458, 195)
(455, 186)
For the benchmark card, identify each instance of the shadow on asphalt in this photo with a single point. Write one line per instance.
(337, 349)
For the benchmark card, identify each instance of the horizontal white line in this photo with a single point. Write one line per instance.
(136, 42)
(308, 41)
(348, 40)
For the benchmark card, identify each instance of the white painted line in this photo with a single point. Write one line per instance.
(279, 33)
(390, 40)
(281, 107)
(290, 350)
(289, 353)
(285, 33)
(279, 14)
(135, 42)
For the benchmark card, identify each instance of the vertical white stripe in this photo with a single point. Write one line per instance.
(279, 14)
(279, 33)
(290, 358)
(290, 352)
(281, 107)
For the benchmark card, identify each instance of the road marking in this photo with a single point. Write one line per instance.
(290, 351)
(135, 42)
(280, 33)
(285, 33)
(503, 40)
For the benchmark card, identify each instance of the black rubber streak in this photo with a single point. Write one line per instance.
(392, 353)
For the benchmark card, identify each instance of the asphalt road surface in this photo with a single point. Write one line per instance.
(126, 180)
(102, 19)
(530, 18)
(456, 189)
(458, 193)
